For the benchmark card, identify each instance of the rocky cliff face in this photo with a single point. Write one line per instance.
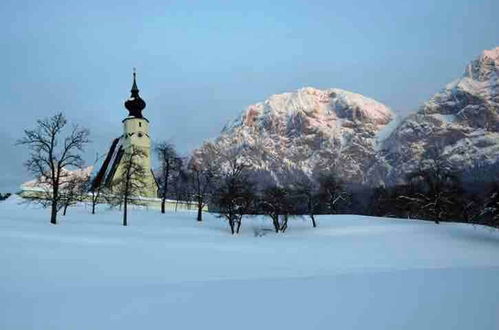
(311, 130)
(314, 130)
(462, 121)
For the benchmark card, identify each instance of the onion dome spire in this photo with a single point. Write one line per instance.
(135, 104)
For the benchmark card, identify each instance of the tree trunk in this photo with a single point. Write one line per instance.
(238, 226)
(314, 224)
(284, 223)
(53, 215)
(93, 202)
(166, 174)
(200, 212)
(65, 208)
(231, 224)
(311, 212)
(125, 223)
(276, 223)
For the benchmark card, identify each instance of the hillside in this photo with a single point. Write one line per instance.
(168, 271)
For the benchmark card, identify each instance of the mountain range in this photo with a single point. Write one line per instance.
(362, 140)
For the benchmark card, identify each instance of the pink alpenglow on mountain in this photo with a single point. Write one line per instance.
(315, 131)
(462, 120)
(309, 130)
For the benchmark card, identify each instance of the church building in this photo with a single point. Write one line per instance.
(135, 135)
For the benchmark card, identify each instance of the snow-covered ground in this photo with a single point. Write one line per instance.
(169, 272)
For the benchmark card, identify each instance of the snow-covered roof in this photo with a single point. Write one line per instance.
(39, 184)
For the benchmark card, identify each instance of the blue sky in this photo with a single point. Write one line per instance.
(200, 63)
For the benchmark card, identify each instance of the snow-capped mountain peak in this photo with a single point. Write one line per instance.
(318, 108)
(462, 120)
(361, 140)
(309, 129)
(492, 54)
(484, 66)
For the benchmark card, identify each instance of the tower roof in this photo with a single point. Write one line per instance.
(134, 86)
(135, 104)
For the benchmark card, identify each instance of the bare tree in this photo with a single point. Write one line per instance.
(96, 194)
(307, 188)
(180, 184)
(331, 192)
(234, 195)
(169, 161)
(74, 190)
(51, 153)
(130, 183)
(234, 199)
(202, 176)
(95, 187)
(437, 187)
(276, 203)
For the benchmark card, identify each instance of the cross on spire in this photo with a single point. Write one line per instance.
(134, 86)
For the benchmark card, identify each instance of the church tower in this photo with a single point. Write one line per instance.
(135, 126)
(135, 135)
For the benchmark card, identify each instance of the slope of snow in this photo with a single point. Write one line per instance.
(167, 271)
(386, 131)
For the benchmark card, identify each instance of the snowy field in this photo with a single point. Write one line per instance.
(169, 272)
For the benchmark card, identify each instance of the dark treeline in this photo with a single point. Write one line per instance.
(434, 190)
(439, 193)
